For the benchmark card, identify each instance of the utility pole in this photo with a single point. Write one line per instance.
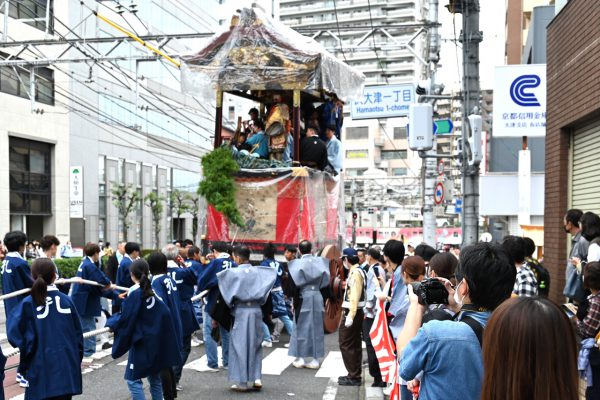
(354, 212)
(470, 38)
(430, 162)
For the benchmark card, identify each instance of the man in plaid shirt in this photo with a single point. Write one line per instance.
(525, 283)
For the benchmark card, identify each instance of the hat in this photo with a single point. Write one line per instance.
(349, 252)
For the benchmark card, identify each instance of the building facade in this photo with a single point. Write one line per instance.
(122, 123)
(573, 128)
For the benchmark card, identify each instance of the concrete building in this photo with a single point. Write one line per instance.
(519, 15)
(573, 128)
(96, 126)
(372, 145)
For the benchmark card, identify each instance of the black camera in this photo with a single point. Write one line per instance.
(430, 291)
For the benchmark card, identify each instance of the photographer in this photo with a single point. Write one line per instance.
(450, 351)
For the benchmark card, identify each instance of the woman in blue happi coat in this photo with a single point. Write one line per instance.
(166, 290)
(52, 361)
(145, 328)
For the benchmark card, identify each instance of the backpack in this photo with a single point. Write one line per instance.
(542, 276)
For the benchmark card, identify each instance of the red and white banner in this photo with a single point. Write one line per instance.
(383, 343)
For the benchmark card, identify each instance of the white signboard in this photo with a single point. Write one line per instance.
(76, 192)
(520, 100)
(383, 102)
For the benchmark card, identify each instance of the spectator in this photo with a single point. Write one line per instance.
(590, 229)
(362, 259)
(334, 149)
(426, 252)
(530, 353)
(449, 352)
(30, 253)
(375, 283)
(67, 250)
(313, 151)
(397, 305)
(579, 249)
(108, 251)
(526, 284)
(588, 327)
(259, 140)
(443, 265)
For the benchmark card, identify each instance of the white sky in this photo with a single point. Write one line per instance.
(491, 50)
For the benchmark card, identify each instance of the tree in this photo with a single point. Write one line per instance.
(125, 198)
(155, 202)
(195, 211)
(179, 206)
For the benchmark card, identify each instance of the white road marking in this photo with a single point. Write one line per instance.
(276, 362)
(201, 364)
(332, 367)
(331, 390)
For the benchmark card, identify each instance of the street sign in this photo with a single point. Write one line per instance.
(439, 211)
(440, 167)
(458, 206)
(442, 126)
(438, 193)
(383, 102)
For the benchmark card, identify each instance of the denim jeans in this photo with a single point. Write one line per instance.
(198, 310)
(210, 344)
(287, 322)
(266, 333)
(136, 388)
(89, 344)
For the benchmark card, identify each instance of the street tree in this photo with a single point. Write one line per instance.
(179, 206)
(195, 211)
(155, 202)
(125, 198)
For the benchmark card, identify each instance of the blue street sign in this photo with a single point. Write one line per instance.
(442, 126)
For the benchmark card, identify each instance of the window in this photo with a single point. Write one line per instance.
(400, 132)
(16, 81)
(355, 154)
(357, 132)
(393, 154)
(231, 113)
(30, 175)
(355, 172)
(399, 171)
(34, 13)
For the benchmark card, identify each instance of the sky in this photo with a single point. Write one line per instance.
(491, 50)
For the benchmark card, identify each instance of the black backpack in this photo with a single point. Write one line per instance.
(542, 276)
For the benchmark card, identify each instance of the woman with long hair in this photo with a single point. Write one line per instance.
(529, 352)
(146, 330)
(51, 362)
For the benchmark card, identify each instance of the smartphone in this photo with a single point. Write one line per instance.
(570, 309)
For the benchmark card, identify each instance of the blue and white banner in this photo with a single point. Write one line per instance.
(520, 100)
(387, 101)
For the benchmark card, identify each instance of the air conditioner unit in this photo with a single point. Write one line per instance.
(380, 141)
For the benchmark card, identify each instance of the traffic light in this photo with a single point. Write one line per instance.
(354, 216)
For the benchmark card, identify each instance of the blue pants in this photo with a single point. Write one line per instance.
(89, 344)
(287, 322)
(211, 346)
(198, 310)
(136, 388)
(266, 333)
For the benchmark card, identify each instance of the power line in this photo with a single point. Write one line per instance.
(337, 23)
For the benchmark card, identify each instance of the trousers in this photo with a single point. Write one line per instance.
(374, 370)
(351, 345)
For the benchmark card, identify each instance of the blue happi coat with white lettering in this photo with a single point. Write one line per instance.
(123, 275)
(145, 328)
(51, 344)
(166, 289)
(87, 297)
(207, 280)
(185, 279)
(16, 275)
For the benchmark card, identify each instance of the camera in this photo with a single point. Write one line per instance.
(430, 291)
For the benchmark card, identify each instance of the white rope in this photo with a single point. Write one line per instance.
(200, 295)
(62, 282)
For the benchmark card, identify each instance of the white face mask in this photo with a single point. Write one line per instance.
(458, 300)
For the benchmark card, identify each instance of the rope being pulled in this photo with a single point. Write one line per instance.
(63, 282)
